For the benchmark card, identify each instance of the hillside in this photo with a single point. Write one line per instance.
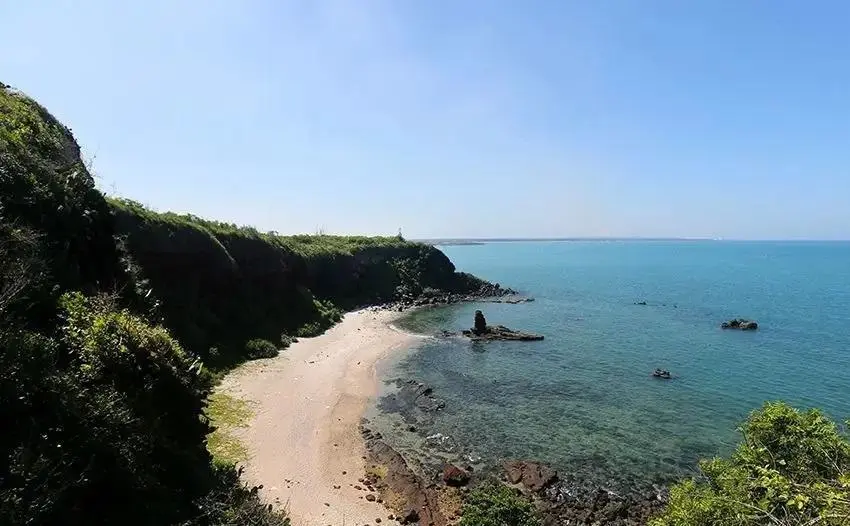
(111, 315)
(221, 285)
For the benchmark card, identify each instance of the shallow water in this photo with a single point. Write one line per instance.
(583, 399)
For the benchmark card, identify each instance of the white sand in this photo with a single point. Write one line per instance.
(307, 406)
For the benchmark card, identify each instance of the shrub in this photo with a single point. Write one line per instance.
(109, 410)
(259, 348)
(495, 504)
(792, 467)
(232, 502)
(286, 340)
(308, 330)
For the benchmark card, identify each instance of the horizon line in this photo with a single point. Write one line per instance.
(437, 240)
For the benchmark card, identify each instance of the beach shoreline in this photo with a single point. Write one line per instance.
(304, 441)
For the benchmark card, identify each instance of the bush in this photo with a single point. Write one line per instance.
(793, 467)
(233, 503)
(494, 504)
(107, 411)
(259, 348)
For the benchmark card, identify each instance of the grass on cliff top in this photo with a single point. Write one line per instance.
(226, 413)
(24, 123)
(306, 245)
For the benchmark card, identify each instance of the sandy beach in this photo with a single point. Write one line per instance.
(303, 439)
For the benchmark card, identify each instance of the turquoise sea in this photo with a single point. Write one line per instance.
(583, 399)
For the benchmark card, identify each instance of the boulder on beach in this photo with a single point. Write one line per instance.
(454, 476)
(740, 324)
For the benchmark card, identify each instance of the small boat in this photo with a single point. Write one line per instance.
(659, 373)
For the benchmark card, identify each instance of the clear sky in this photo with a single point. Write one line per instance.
(451, 118)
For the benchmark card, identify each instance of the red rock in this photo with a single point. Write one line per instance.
(454, 476)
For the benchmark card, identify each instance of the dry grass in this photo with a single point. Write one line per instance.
(377, 470)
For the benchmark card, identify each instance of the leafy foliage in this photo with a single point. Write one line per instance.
(101, 410)
(260, 348)
(45, 187)
(793, 467)
(494, 504)
(114, 411)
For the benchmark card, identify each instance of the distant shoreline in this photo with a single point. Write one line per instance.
(486, 241)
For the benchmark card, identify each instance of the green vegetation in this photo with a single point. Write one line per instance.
(494, 504)
(220, 285)
(111, 316)
(226, 413)
(114, 320)
(260, 348)
(792, 468)
(102, 409)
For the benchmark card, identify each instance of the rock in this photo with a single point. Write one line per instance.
(500, 332)
(412, 429)
(410, 516)
(741, 324)
(454, 476)
(640, 303)
(370, 497)
(532, 475)
(480, 326)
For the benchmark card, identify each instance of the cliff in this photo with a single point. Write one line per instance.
(220, 285)
(108, 312)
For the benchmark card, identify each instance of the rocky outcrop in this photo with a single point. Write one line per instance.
(566, 502)
(532, 475)
(500, 332)
(455, 476)
(480, 324)
(740, 324)
(575, 503)
(512, 301)
(483, 332)
(412, 499)
(485, 293)
(414, 401)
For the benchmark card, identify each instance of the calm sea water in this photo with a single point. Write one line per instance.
(583, 399)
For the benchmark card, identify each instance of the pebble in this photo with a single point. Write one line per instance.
(370, 497)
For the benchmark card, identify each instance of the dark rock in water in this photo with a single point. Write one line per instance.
(576, 503)
(480, 325)
(532, 475)
(414, 401)
(741, 324)
(500, 332)
(454, 476)
(514, 301)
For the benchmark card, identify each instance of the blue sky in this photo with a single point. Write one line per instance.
(456, 119)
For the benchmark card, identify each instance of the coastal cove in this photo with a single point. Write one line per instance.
(583, 400)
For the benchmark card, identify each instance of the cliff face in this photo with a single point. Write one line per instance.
(220, 285)
(46, 190)
(214, 285)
